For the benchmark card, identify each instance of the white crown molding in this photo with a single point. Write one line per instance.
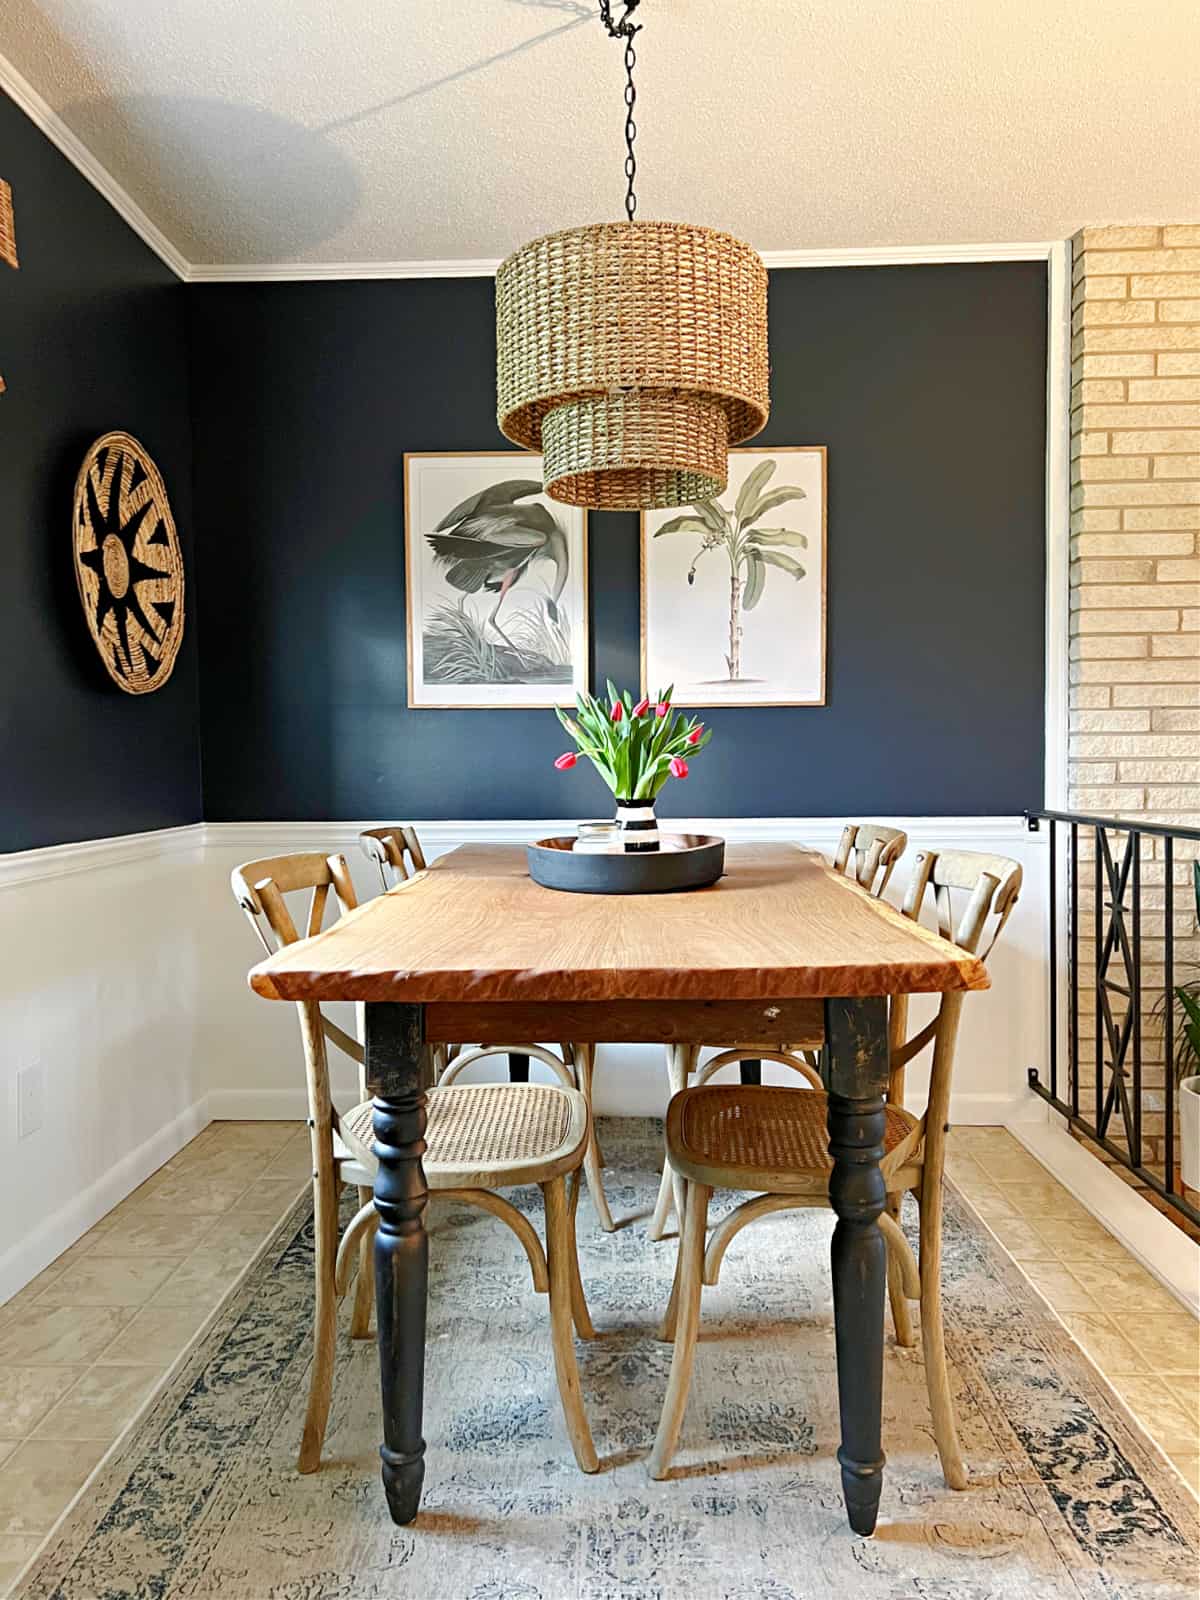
(864, 256)
(88, 855)
(60, 136)
(51, 124)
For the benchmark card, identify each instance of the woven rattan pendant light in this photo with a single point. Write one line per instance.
(632, 354)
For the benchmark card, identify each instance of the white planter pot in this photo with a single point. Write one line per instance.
(1189, 1130)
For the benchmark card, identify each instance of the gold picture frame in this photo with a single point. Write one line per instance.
(666, 651)
(464, 652)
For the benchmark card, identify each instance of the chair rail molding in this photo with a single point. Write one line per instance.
(88, 855)
(440, 836)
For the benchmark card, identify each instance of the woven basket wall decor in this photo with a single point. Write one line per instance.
(8, 235)
(632, 355)
(128, 564)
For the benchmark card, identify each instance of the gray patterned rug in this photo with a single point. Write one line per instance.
(202, 1498)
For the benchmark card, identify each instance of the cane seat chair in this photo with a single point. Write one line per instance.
(868, 853)
(396, 851)
(773, 1142)
(479, 1139)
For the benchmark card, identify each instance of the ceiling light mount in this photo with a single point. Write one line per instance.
(632, 354)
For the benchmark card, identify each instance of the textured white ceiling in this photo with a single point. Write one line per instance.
(269, 131)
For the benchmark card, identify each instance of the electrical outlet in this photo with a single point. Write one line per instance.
(29, 1101)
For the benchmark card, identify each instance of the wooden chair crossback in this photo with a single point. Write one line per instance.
(396, 851)
(474, 1145)
(773, 1141)
(868, 853)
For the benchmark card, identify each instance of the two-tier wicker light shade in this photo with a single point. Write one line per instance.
(632, 355)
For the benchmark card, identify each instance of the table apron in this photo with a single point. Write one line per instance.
(768, 1023)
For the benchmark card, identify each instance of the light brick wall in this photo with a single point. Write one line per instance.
(1135, 522)
(1134, 742)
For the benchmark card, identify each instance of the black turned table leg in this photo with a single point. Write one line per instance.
(518, 1067)
(750, 1071)
(396, 1076)
(857, 1067)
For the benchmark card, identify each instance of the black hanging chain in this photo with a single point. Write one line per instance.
(625, 29)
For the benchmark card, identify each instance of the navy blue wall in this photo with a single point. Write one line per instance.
(91, 338)
(926, 383)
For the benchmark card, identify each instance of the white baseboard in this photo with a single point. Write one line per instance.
(71, 1221)
(1161, 1247)
(262, 1105)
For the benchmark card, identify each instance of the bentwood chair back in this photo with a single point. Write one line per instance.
(339, 1155)
(773, 1142)
(868, 853)
(397, 852)
(475, 1144)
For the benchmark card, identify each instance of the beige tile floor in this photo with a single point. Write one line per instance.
(84, 1345)
(1143, 1341)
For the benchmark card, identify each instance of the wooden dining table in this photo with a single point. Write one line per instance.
(781, 950)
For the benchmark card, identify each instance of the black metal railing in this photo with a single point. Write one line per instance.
(1102, 1088)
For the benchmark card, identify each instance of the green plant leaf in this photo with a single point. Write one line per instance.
(748, 493)
(784, 563)
(768, 502)
(1196, 886)
(1191, 1009)
(713, 516)
(682, 525)
(762, 536)
(755, 582)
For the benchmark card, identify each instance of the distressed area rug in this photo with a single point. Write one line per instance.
(202, 1498)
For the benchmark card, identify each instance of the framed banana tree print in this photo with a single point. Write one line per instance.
(496, 583)
(733, 589)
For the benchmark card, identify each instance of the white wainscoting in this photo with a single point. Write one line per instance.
(100, 995)
(124, 980)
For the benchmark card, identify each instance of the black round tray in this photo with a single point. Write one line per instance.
(685, 861)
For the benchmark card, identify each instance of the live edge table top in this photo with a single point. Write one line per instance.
(475, 928)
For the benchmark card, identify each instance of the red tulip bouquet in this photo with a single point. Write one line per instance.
(635, 748)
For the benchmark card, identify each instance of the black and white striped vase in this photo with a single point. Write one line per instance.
(638, 825)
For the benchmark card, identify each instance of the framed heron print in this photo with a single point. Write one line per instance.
(496, 581)
(733, 589)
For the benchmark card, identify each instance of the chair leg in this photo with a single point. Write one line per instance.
(571, 1054)
(901, 1317)
(364, 1285)
(937, 1377)
(320, 1383)
(670, 1321)
(585, 1066)
(558, 1252)
(580, 1314)
(691, 1260)
(665, 1202)
(670, 1190)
